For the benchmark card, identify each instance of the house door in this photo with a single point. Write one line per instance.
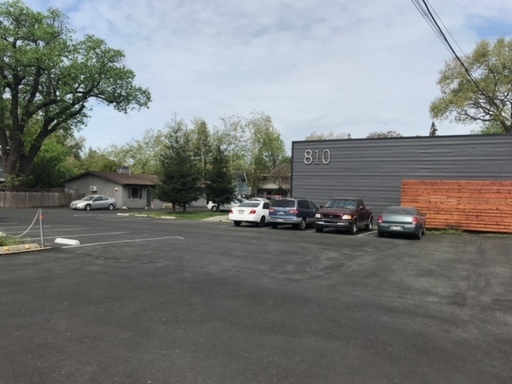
(148, 197)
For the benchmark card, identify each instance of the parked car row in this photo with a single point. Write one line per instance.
(344, 213)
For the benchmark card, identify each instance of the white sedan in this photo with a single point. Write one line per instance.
(254, 212)
(94, 202)
(225, 207)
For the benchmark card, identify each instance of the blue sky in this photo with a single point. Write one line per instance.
(312, 65)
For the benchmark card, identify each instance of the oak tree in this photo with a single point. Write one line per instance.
(48, 75)
(489, 101)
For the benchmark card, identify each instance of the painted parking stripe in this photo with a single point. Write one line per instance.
(91, 234)
(125, 241)
(51, 230)
(366, 233)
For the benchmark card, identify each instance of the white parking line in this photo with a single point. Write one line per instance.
(366, 233)
(91, 234)
(51, 230)
(125, 241)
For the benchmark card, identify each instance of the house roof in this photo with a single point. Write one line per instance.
(121, 178)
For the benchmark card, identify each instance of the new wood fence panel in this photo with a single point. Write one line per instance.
(467, 205)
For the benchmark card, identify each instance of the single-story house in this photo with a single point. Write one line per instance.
(130, 191)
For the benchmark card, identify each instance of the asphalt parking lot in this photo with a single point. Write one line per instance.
(144, 300)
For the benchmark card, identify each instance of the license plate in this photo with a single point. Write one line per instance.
(280, 213)
(279, 220)
(395, 228)
(241, 212)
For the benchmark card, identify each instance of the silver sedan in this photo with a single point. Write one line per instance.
(94, 202)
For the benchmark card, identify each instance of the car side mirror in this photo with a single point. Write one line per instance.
(360, 208)
(321, 206)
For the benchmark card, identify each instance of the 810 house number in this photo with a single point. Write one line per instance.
(317, 156)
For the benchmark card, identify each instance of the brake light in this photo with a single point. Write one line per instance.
(231, 211)
(294, 211)
(415, 220)
(380, 219)
(271, 210)
(253, 212)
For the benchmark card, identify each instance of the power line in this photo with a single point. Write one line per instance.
(425, 10)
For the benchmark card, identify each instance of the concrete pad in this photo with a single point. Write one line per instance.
(61, 240)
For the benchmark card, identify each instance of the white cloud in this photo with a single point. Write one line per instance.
(312, 65)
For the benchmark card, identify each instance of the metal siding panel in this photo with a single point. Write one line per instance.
(373, 169)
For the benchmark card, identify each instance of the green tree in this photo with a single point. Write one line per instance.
(253, 145)
(179, 174)
(46, 74)
(219, 179)
(281, 175)
(201, 146)
(491, 128)
(463, 102)
(55, 162)
(99, 161)
(142, 156)
(382, 134)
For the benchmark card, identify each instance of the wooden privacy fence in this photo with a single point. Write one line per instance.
(10, 199)
(467, 205)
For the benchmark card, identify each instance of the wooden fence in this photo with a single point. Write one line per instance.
(36, 199)
(467, 205)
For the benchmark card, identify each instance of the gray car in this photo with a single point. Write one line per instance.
(397, 220)
(94, 202)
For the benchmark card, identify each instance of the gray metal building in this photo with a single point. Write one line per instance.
(373, 169)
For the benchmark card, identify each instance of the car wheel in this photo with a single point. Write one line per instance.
(353, 228)
(380, 234)
(318, 230)
(214, 208)
(88, 207)
(417, 236)
(424, 231)
(273, 226)
(237, 223)
(369, 225)
(262, 222)
(110, 207)
(302, 224)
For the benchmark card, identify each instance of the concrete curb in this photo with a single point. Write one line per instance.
(10, 249)
(143, 215)
(217, 219)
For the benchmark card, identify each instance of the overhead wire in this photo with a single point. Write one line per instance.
(426, 10)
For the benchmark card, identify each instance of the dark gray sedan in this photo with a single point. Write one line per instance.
(402, 221)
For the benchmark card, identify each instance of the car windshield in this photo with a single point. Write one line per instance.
(339, 203)
(398, 211)
(283, 203)
(253, 204)
(88, 198)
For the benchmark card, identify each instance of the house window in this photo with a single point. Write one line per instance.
(136, 193)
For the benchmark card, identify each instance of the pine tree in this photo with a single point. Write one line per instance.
(219, 184)
(179, 174)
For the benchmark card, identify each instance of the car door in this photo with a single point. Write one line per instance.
(362, 212)
(314, 209)
(98, 202)
(304, 210)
